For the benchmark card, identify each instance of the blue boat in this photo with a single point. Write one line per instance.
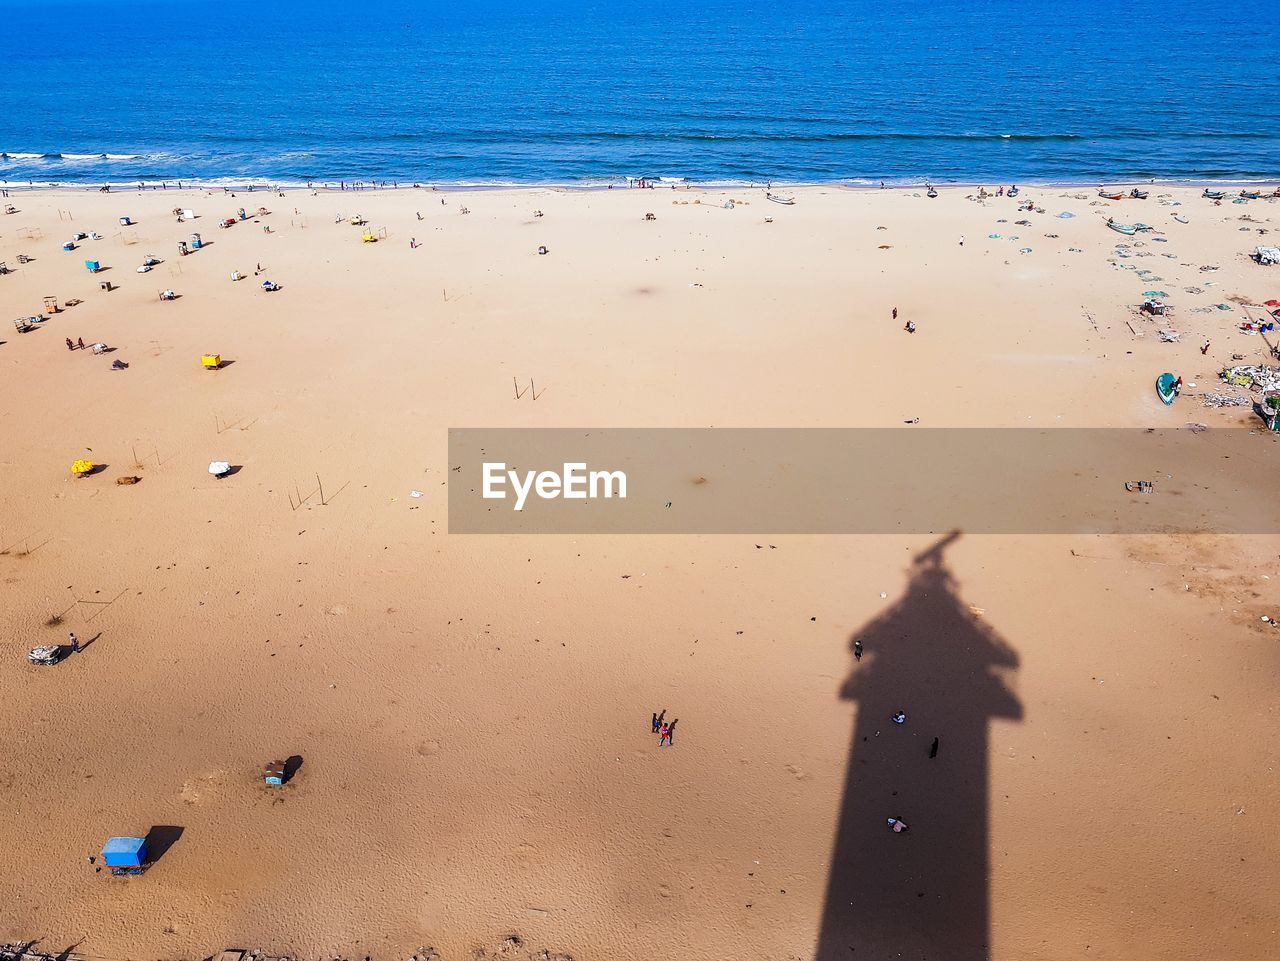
(1167, 388)
(125, 855)
(1212, 194)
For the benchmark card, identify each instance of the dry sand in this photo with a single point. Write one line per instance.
(472, 713)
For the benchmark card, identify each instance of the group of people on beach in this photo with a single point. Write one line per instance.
(664, 730)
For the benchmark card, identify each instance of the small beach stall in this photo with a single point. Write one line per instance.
(125, 855)
(273, 773)
(92, 266)
(210, 361)
(126, 221)
(196, 242)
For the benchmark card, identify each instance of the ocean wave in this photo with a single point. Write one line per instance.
(79, 157)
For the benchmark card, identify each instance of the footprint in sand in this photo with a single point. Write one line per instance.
(428, 748)
(795, 772)
(524, 853)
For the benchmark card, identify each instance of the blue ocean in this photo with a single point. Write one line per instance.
(592, 92)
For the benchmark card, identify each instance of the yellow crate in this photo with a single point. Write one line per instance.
(211, 361)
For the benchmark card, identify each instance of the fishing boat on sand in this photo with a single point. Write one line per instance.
(1127, 229)
(779, 199)
(1012, 192)
(1250, 195)
(1167, 388)
(931, 192)
(1212, 194)
(1137, 194)
(1111, 194)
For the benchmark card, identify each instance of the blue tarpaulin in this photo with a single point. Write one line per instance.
(124, 852)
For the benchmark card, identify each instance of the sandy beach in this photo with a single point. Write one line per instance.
(472, 714)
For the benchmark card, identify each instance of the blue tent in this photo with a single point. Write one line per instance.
(125, 852)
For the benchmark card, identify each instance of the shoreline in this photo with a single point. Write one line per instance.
(359, 186)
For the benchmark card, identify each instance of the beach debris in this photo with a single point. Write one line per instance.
(219, 468)
(1225, 400)
(1168, 336)
(1253, 375)
(897, 825)
(899, 718)
(128, 481)
(1066, 215)
(1142, 487)
(415, 493)
(45, 655)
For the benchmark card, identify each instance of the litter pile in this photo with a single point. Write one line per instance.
(1253, 375)
(1225, 400)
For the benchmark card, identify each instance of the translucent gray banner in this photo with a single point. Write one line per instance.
(862, 481)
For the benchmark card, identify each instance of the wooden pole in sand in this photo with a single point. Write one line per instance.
(321, 486)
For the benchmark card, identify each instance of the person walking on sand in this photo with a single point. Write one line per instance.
(962, 240)
(80, 342)
(70, 346)
(75, 644)
(1205, 348)
(657, 720)
(664, 736)
(857, 650)
(671, 731)
(895, 313)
